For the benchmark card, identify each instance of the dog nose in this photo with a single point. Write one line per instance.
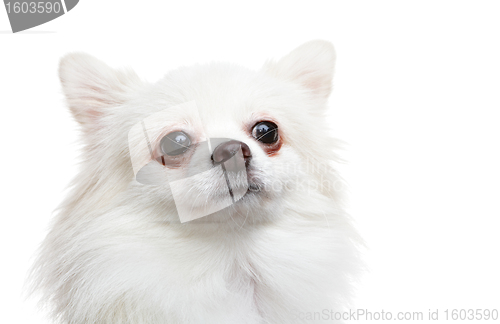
(227, 150)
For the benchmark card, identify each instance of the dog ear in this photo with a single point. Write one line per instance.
(92, 88)
(311, 64)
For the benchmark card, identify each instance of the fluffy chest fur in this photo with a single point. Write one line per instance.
(207, 274)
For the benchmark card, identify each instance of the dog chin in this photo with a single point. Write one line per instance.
(257, 205)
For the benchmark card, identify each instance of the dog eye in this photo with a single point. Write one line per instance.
(266, 132)
(175, 143)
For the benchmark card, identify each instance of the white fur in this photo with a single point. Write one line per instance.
(116, 253)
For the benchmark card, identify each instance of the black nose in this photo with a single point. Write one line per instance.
(227, 150)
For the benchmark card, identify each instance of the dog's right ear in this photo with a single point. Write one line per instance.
(92, 88)
(310, 65)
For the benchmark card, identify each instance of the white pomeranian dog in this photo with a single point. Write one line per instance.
(179, 234)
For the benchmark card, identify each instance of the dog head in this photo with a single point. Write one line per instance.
(216, 140)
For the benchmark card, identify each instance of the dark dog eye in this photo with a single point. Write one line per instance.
(175, 143)
(266, 132)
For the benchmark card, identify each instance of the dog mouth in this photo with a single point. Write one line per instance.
(252, 187)
(255, 184)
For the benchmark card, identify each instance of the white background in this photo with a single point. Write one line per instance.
(416, 98)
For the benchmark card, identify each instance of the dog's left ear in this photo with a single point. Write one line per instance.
(310, 64)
